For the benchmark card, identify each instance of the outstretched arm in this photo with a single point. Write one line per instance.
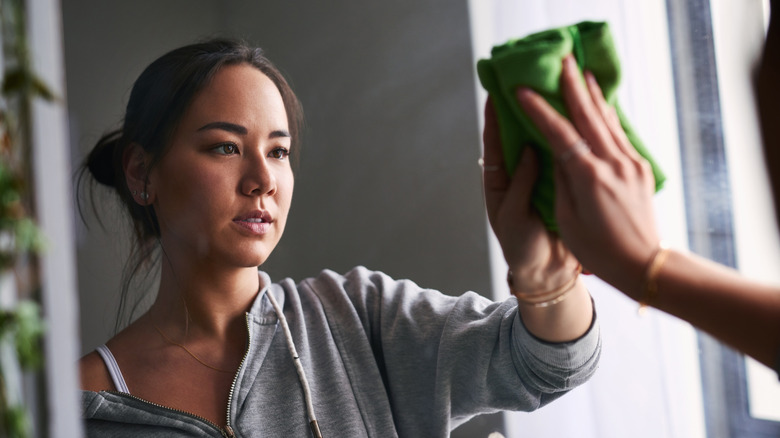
(543, 269)
(605, 213)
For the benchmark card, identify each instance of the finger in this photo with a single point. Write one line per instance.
(609, 113)
(493, 155)
(556, 129)
(583, 112)
(494, 176)
(610, 117)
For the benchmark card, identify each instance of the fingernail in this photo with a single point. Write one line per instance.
(590, 78)
(568, 61)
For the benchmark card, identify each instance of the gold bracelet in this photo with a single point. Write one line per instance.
(650, 282)
(545, 299)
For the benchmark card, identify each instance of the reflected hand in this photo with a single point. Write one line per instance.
(538, 259)
(603, 194)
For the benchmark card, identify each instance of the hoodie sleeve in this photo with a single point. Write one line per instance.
(447, 359)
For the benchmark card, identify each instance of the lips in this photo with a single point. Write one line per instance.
(257, 222)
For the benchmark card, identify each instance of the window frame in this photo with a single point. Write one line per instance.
(710, 208)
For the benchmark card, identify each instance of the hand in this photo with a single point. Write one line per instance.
(604, 193)
(539, 261)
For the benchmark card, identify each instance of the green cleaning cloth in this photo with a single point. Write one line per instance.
(536, 62)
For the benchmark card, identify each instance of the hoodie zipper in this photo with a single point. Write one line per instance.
(228, 428)
(225, 432)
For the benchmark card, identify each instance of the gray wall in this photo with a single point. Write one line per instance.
(388, 176)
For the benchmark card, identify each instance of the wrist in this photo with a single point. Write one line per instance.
(545, 296)
(648, 290)
(565, 321)
(540, 275)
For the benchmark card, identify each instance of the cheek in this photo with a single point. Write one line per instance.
(190, 196)
(286, 190)
(212, 188)
(284, 194)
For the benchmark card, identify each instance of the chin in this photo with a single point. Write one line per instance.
(255, 259)
(250, 253)
(251, 261)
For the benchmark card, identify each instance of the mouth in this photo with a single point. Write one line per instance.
(256, 222)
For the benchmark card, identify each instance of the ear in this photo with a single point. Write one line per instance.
(135, 165)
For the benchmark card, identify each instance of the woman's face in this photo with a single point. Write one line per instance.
(223, 190)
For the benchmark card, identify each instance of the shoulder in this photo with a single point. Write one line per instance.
(94, 374)
(358, 290)
(357, 281)
(367, 289)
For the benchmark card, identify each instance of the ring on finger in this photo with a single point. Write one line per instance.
(488, 167)
(580, 147)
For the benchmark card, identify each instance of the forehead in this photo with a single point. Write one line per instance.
(239, 94)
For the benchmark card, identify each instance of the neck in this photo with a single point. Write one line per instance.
(202, 303)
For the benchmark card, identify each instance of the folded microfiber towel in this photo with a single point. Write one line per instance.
(536, 62)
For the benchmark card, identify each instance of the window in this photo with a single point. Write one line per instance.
(688, 94)
(742, 397)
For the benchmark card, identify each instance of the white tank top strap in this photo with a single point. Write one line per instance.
(113, 368)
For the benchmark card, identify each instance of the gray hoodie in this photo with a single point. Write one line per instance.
(383, 358)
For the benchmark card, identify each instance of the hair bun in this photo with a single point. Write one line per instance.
(101, 163)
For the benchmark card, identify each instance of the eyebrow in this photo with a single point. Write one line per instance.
(224, 126)
(238, 129)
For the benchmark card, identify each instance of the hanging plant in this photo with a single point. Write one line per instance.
(19, 235)
(21, 325)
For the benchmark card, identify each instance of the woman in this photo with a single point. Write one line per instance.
(605, 212)
(202, 166)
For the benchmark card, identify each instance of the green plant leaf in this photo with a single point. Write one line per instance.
(30, 327)
(42, 90)
(17, 422)
(15, 80)
(29, 237)
(22, 80)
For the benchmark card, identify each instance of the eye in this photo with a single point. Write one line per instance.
(279, 153)
(226, 149)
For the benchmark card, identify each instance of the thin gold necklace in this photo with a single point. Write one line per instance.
(170, 341)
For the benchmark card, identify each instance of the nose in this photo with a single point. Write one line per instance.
(257, 176)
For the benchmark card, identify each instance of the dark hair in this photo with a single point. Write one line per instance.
(158, 100)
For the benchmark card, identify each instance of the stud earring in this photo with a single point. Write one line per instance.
(143, 195)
